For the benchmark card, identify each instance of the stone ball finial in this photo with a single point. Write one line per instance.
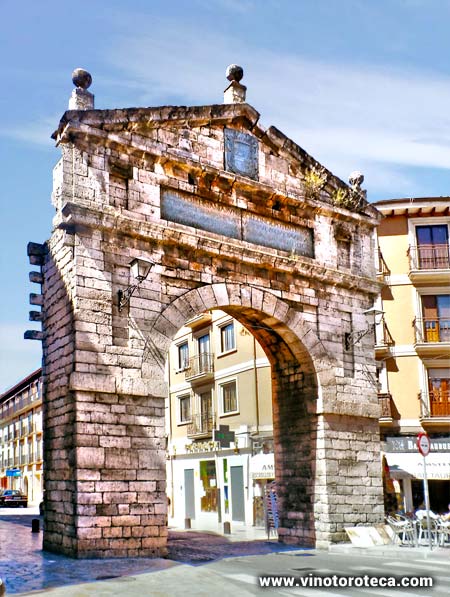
(356, 179)
(81, 78)
(235, 72)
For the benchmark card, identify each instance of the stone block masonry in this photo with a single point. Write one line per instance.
(104, 365)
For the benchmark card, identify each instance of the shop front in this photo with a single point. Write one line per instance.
(406, 470)
(262, 471)
(209, 486)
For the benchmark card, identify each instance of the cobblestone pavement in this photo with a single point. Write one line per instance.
(25, 567)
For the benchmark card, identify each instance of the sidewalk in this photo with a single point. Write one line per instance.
(25, 567)
(394, 551)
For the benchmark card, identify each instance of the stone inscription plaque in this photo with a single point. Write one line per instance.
(236, 223)
(178, 208)
(298, 241)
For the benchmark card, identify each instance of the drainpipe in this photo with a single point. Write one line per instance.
(255, 371)
(170, 434)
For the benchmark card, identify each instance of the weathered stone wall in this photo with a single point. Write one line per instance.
(104, 398)
(59, 403)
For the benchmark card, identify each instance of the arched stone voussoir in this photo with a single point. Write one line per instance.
(208, 297)
(195, 300)
(234, 294)
(164, 326)
(176, 316)
(221, 294)
(269, 303)
(303, 330)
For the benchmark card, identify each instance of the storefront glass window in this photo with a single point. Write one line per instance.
(208, 478)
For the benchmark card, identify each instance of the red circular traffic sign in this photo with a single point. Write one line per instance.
(423, 444)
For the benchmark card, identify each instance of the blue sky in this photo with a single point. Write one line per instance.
(359, 84)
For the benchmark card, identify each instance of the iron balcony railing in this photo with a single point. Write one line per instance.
(385, 401)
(435, 403)
(432, 329)
(201, 425)
(201, 364)
(383, 336)
(426, 257)
(383, 270)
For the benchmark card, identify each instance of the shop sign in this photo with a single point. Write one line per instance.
(262, 466)
(202, 447)
(224, 436)
(409, 444)
(13, 472)
(411, 466)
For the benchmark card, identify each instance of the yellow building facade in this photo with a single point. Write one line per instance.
(218, 378)
(21, 448)
(414, 354)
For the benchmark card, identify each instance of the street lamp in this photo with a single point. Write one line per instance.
(354, 337)
(140, 268)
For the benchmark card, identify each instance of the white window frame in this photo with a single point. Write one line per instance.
(179, 398)
(180, 368)
(221, 385)
(220, 351)
(433, 221)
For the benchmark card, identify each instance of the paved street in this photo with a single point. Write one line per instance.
(204, 564)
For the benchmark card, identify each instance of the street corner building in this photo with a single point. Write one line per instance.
(21, 463)
(413, 349)
(166, 214)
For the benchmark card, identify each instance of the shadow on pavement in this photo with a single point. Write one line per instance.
(25, 567)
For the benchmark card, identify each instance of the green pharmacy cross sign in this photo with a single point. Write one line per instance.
(223, 435)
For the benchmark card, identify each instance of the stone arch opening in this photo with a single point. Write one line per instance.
(297, 360)
(260, 244)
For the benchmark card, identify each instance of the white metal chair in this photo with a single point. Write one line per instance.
(424, 531)
(403, 530)
(443, 529)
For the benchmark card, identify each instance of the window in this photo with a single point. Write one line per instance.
(432, 246)
(183, 356)
(227, 337)
(439, 391)
(229, 397)
(204, 354)
(209, 499)
(184, 408)
(436, 317)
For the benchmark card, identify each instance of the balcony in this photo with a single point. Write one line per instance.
(198, 321)
(383, 271)
(429, 263)
(432, 335)
(383, 340)
(200, 368)
(435, 409)
(201, 425)
(389, 413)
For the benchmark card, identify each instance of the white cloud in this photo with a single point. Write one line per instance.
(33, 133)
(365, 114)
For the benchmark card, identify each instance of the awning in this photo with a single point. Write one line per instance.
(262, 466)
(410, 466)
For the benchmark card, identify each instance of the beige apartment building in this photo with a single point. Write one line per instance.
(21, 464)
(218, 376)
(413, 347)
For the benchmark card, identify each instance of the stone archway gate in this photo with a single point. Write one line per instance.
(234, 217)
